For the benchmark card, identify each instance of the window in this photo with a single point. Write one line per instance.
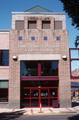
(32, 24)
(58, 38)
(50, 68)
(75, 68)
(74, 63)
(20, 38)
(74, 53)
(75, 91)
(4, 57)
(39, 68)
(58, 25)
(32, 38)
(45, 38)
(45, 24)
(3, 90)
(28, 68)
(19, 24)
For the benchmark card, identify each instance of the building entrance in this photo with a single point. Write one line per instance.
(39, 83)
(39, 96)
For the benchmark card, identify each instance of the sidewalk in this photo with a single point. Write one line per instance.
(53, 111)
(44, 111)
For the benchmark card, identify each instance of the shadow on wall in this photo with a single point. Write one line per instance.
(11, 115)
(75, 117)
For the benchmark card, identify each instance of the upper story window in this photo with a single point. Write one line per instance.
(45, 24)
(19, 24)
(32, 24)
(33, 38)
(4, 90)
(58, 38)
(20, 38)
(74, 63)
(58, 25)
(45, 38)
(50, 68)
(4, 57)
(29, 68)
(39, 68)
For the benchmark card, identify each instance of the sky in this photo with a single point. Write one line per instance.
(7, 6)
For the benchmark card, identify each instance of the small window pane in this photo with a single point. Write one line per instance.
(57, 25)
(75, 53)
(3, 84)
(3, 90)
(19, 24)
(20, 38)
(58, 38)
(75, 68)
(4, 57)
(45, 24)
(32, 38)
(50, 68)
(28, 68)
(3, 95)
(32, 25)
(45, 38)
(73, 84)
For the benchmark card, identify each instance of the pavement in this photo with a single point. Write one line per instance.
(43, 111)
(51, 111)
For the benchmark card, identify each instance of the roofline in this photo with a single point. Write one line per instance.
(37, 6)
(4, 30)
(37, 13)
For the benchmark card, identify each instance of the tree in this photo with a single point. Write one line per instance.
(71, 7)
(77, 41)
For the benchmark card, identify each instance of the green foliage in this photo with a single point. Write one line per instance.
(77, 42)
(71, 7)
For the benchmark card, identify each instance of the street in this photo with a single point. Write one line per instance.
(20, 116)
(49, 117)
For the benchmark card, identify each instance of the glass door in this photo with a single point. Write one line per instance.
(25, 97)
(39, 96)
(34, 97)
(44, 95)
(54, 97)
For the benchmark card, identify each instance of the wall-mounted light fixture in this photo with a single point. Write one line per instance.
(64, 57)
(15, 58)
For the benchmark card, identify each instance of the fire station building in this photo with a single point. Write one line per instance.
(34, 61)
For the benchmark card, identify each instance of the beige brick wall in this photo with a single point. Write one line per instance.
(4, 40)
(4, 73)
(4, 70)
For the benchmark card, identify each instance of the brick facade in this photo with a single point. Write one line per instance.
(38, 46)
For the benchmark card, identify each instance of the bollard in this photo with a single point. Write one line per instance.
(40, 109)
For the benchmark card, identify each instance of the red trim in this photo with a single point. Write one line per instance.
(74, 77)
(38, 87)
(25, 78)
(48, 98)
(37, 98)
(39, 69)
(40, 98)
